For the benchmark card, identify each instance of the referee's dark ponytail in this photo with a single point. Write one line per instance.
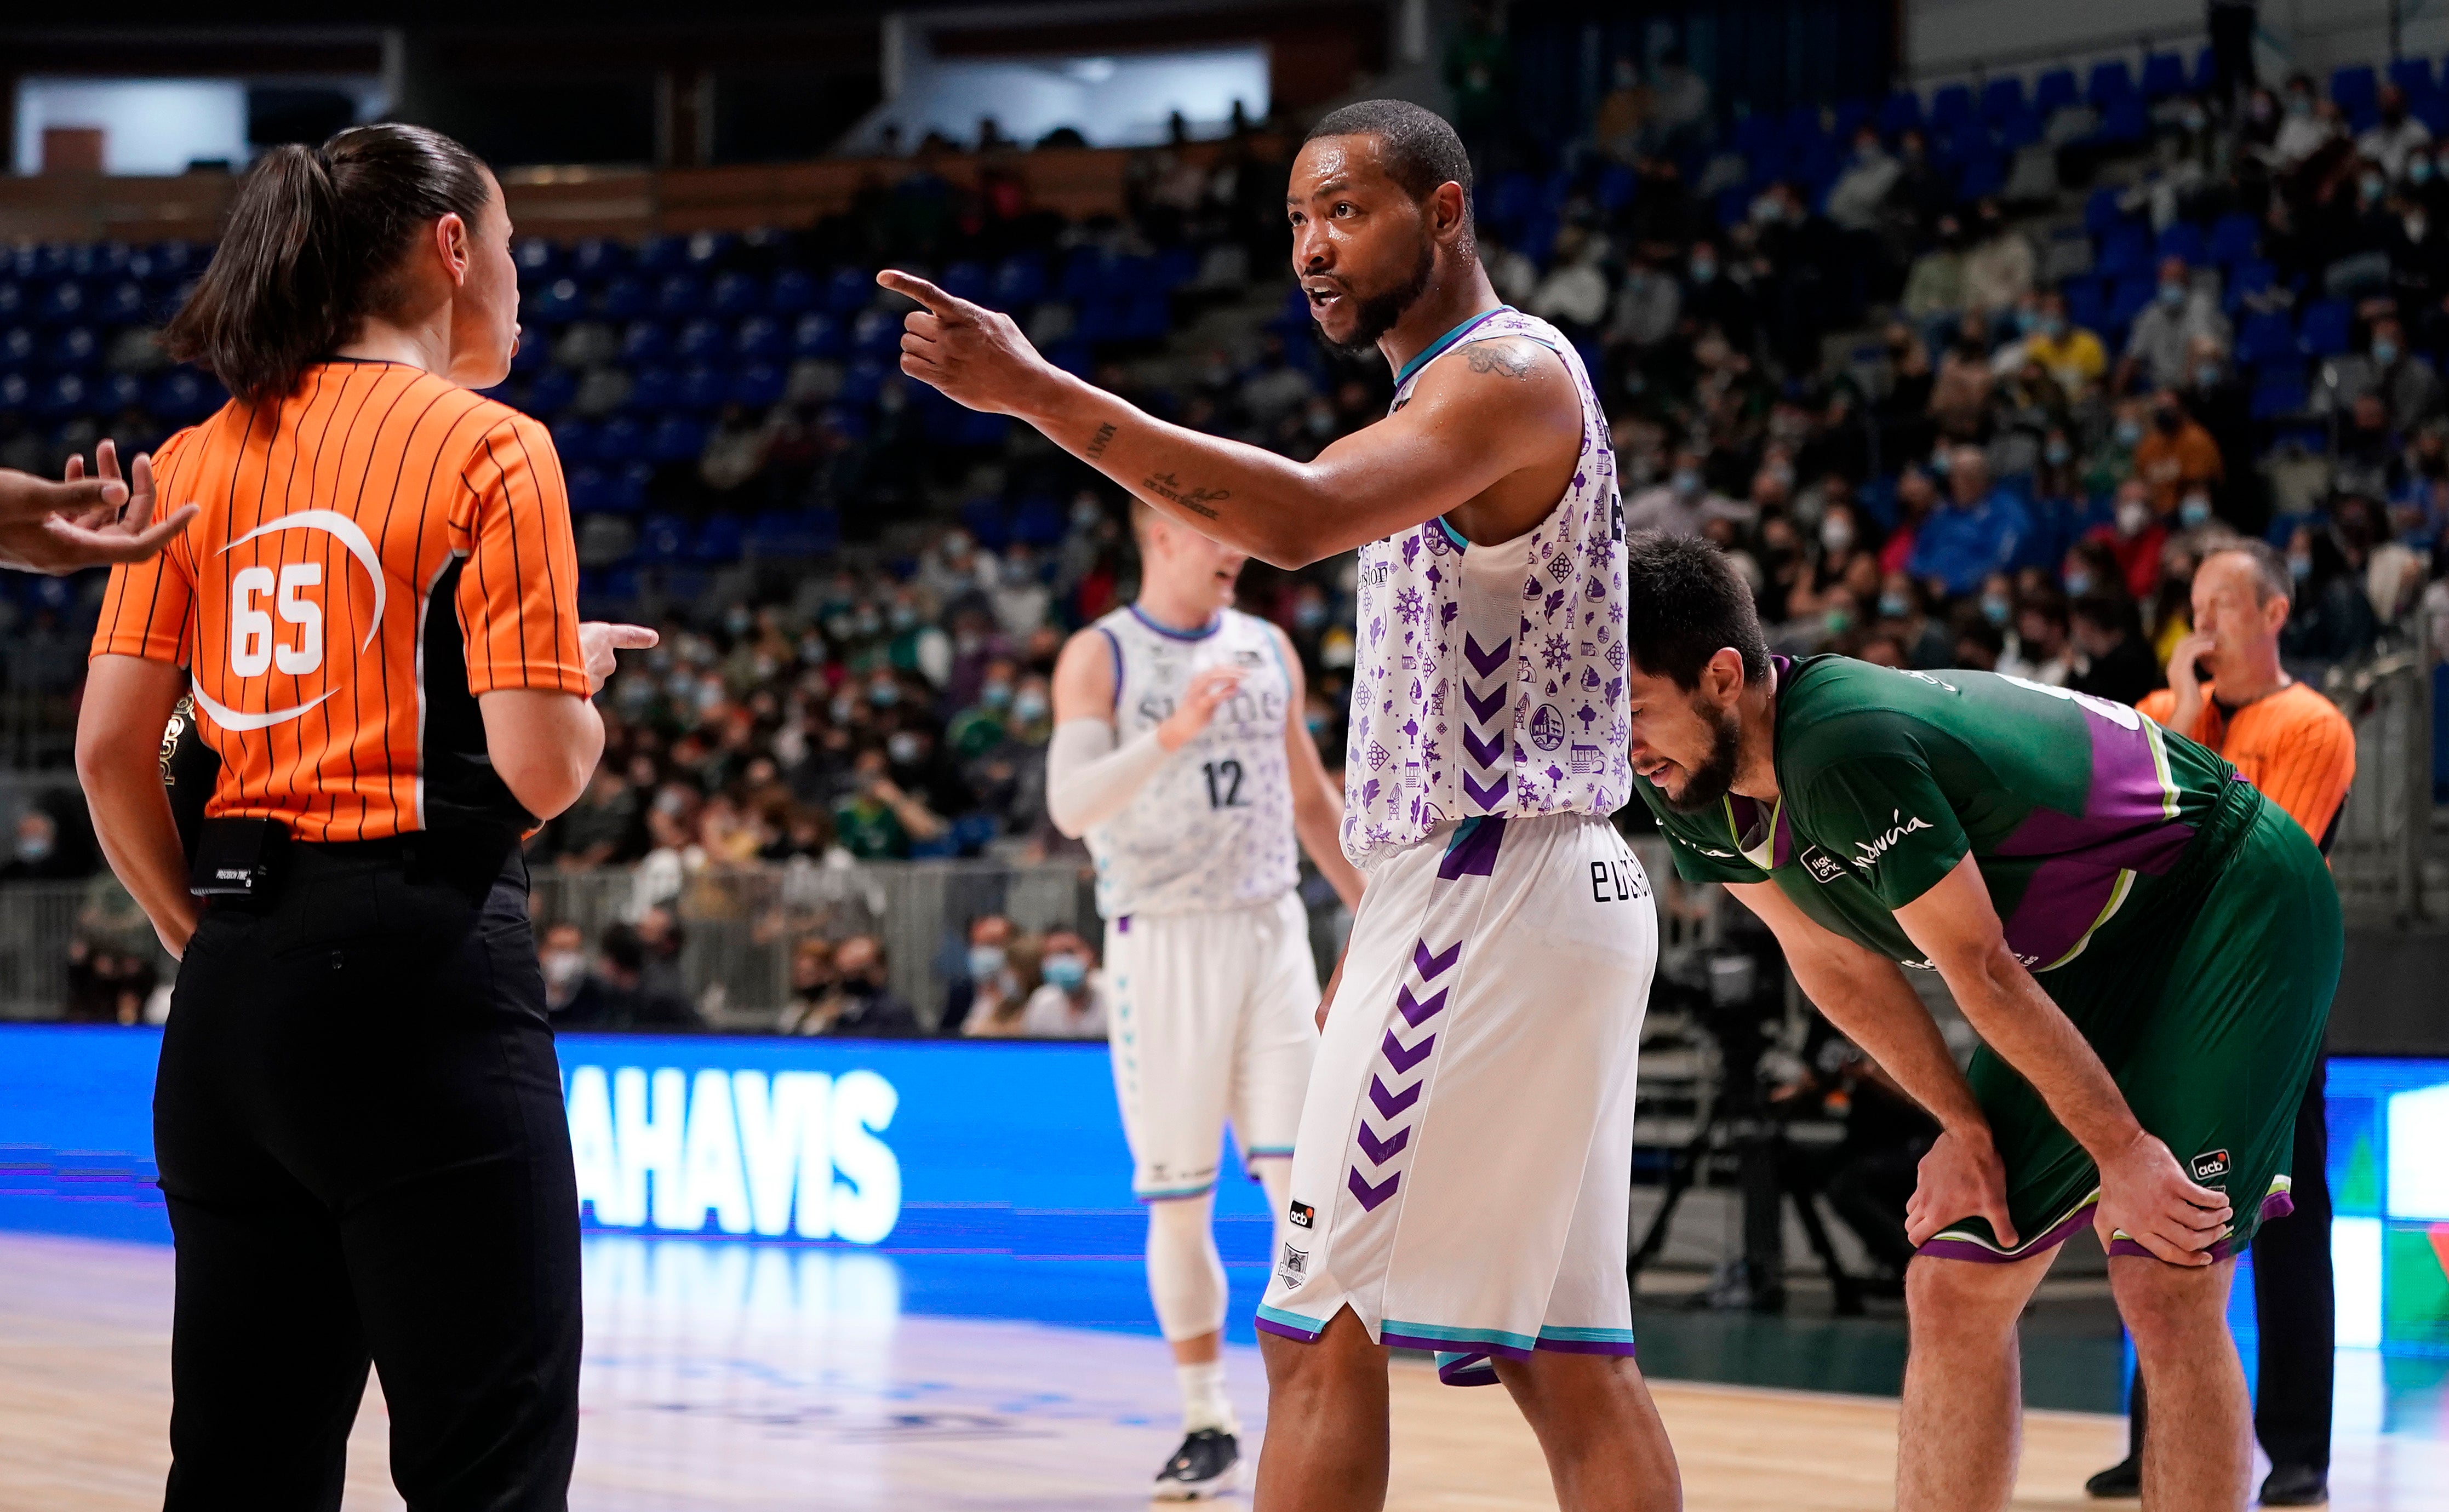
(313, 242)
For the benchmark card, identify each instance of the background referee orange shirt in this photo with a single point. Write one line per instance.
(2293, 744)
(374, 553)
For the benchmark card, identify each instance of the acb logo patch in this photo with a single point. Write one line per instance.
(2212, 1165)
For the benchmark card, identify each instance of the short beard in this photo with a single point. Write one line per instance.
(1378, 312)
(1712, 780)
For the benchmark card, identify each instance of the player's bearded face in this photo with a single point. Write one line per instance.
(1374, 313)
(1707, 779)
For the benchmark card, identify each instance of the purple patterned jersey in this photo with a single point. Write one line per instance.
(1490, 679)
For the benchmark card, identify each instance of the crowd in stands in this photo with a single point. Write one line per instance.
(1964, 381)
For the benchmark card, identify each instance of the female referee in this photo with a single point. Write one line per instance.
(358, 1117)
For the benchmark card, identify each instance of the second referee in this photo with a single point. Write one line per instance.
(358, 1117)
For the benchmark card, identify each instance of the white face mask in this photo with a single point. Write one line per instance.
(563, 967)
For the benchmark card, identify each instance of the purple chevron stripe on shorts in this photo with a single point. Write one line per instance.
(1402, 1060)
(1390, 1103)
(1473, 853)
(1482, 662)
(1488, 796)
(1433, 966)
(1482, 707)
(1371, 1196)
(1416, 1012)
(1484, 752)
(1380, 1151)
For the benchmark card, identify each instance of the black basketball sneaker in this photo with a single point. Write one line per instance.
(1207, 1465)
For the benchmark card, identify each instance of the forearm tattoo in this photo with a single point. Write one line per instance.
(1198, 501)
(1097, 443)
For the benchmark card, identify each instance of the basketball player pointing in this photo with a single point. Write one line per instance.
(1460, 1177)
(1179, 752)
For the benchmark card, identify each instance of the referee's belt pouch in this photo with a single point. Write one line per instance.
(239, 860)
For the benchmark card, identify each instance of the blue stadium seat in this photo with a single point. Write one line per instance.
(2002, 97)
(167, 263)
(1178, 265)
(2086, 309)
(861, 381)
(876, 333)
(1511, 200)
(964, 281)
(555, 303)
(679, 295)
(2205, 70)
(18, 393)
(2124, 251)
(2247, 278)
(2327, 328)
(663, 537)
(849, 291)
(663, 255)
(2266, 337)
(122, 304)
(2414, 75)
(1614, 191)
(62, 396)
(701, 341)
(180, 396)
(621, 297)
(794, 532)
(1758, 136)
(653, 388)
(574, 440)
(76, 350)
(1901, 111)
(757, 385)
(676, 438)
(735, 295)
(17, 348)
(2019, 130)
(13, 302)
(2355, 88)
(794, 293)
(2127, 298)
(719, 539)
(1037, 521)
(707, 250)
(704, 388)
(2163, 75)
(595, 259)
(2278, 395)
(62, 304)
(1983, 176)
(1019, 281)
(644, 341)
(589, 490)
(551, 392)
(115, 391)
(818, 335)
(2101, 213)
(539, 260)
(534, 351)
(2124, 122)
(849, 420)
(1148, 317)
(987, 523)
(1084, 275)
(760, 339)
(1951, 105)
(619, 439)
(2183, 239)
(2109, 83)
(629, 487)
(2233, 238)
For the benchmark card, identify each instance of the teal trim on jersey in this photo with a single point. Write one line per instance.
(1431, 1330)
(1588, 1335)
(1311, 1327)
(1443, 344)
(1171, 634)
(1454, 537)
(1175, 1193)
(1462, 832)
(1266, 1151)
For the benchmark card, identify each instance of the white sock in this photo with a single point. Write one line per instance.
(1203, 1403)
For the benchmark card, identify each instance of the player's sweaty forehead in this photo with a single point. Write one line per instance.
(1330, 167)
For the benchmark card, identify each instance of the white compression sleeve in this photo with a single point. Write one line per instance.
(1088, 781)
(1185, 1274)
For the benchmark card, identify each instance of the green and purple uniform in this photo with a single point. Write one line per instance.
(2188, 927)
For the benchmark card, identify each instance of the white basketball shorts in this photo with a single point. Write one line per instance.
(1462, 1176)
(1211, 1014)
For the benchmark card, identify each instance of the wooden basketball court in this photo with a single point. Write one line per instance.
(805, 1388)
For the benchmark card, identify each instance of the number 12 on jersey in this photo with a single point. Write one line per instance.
(1224, 784)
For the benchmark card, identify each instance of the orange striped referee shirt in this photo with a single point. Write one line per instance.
(374, 553)
(2293, 744)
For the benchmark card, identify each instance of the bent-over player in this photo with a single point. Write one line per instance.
(2145, 944)
(1461, 1177)
(1180, 754)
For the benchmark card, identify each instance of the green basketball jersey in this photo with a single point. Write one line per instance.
(1886, 780)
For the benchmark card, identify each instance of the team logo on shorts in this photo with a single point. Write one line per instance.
(1548, 728)
(2211, 1165)
(1294, 1268)
(1823, 868)
(1303, 1216)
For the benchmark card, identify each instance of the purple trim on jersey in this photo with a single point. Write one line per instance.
(1393, 1340)
(1745, 814)
(1286, 1331)
(2124, 827)
(1472, 851)
(2277, 1205)
(1123, 924)
(1466, 1369)
(1967, 1250)
(1170, 633)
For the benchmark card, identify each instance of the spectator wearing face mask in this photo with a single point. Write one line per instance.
(562, 956)
(1998, 271)
(2044, 652)
(1683, 503)
(1862, 189)
(2072, 354)
(2405, 381)
(877, 820)
(1713, 297)
(2305, 128)
(988, 988)
(2176, 457)
(1071, 1003)
(1904, 618)
(2117, 663)
(858, 1003)
(1934, 292)
(2162, 334)
(1831, 555)
(2396, 136)
(1916, 496)
(1978, 532)
(38, 856)
(2133, 537)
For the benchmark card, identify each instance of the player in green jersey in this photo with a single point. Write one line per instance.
(2147, 947)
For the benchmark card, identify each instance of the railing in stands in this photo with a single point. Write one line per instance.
(2384, 834)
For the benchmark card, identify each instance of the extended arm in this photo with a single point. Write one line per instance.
(2143, 1191)
(1318, 804)
(127, 701)
(1469, 426)
(85, 521)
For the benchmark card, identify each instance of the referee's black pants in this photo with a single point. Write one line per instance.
(2295, 1307)
(359, 1129)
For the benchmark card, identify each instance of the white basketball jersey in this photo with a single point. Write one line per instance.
(1490, 679)
(1214, 828)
